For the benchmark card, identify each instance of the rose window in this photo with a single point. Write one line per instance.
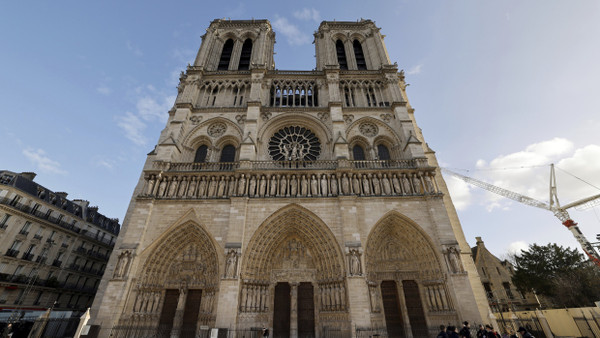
(294, 144)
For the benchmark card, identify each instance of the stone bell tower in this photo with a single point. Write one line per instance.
(306, 202)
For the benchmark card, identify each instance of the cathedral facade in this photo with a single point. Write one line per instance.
(305, 202)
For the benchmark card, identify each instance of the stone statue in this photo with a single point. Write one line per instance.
(407, 190)
(314, 186)
(231, 268)
(334, 185)
(162, 187)
(231, 186)
(355, 269)
(454, 260)
(222, 185)
(366, 184)
(385, 182)
(304, 186)
(192, 189)
(212, 187)
(376, 186)
(182, 186)
(151, 181)
(355, 185)
(396, 184)
(429, 184)
(262, 186)
(252, 186)
(293, 186)
(282, 185)
(173, 187)
(324, 190)
(241, 185)
(416, 184)
(345, 184)
(123, 262)
(202, 187)
(273, 186)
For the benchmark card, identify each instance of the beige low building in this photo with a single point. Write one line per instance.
(496, 278)
(54, 250)
(306, 202)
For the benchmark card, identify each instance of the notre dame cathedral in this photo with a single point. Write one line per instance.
(305, 202)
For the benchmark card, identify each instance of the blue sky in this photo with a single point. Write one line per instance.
(85, 88)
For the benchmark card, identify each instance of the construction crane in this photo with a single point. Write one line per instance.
(554, 206)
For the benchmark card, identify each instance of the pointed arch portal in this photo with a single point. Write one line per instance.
(293, 262)
(404, 268)
(179, 281)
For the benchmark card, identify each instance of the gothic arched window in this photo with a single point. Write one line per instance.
(383, 152)
(201, 154)
(245, 56)
(228, 153)
(358, 153)
(341, 54)
(359, 55)
(226, 55)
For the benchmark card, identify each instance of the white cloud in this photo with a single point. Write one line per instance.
(106, 163)
(515, 248)
(149, 109)
(415, 70)
(308, 14)
(294, 36)
(134, 49)
(460, 192)
(133, 127)
(527, 172)
(43, 162)
(104, 90)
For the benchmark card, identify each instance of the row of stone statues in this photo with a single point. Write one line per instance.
(332, 296)
(290, 185)
(254, 298)
(436, 298)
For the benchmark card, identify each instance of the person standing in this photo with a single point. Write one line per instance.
(465, 332)
(481, 332)
(452, 332)
(265, 332)
(442, 333)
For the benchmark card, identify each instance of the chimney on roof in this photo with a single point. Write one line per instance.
(62, 194)
(30, 175)
(479, 241)
(82, 203)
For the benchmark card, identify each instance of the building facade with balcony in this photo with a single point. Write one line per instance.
(303, 201)
(496, 278)
(54, 250)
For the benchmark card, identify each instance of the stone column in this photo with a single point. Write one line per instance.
(294, 309)
(178, 319)
(404, 310)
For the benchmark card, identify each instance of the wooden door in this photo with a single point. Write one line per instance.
(281, 315)
(414, 307)
(306, 311)
(391, 307)
(190, 313)
(167, 314)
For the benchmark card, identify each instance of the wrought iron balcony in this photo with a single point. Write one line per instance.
(11, 253)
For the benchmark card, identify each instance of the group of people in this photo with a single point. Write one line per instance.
(486, 331)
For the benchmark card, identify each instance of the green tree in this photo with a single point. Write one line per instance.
(561, 274)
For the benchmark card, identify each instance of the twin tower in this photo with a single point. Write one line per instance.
(305, 202)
